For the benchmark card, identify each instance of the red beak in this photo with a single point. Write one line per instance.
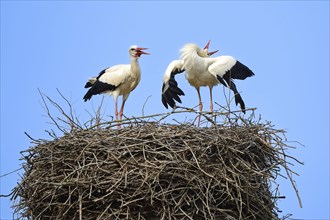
(211, 53)
(207, 45)
(140, 50)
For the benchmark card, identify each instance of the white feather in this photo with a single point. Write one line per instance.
(175, 64)
(115, 75)
(221, 65)
(196, 66)
(92, 80)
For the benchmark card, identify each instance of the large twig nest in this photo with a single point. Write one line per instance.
(155, 171)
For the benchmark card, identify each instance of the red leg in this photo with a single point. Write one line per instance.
(116, 108)
(211, 99)
(200, 100)
(200, 106)
(122, 110)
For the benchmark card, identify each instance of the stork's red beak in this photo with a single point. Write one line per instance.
(207, 48)
(140, 51)
(211, 53)
(207, 45)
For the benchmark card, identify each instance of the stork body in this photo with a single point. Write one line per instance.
(202, 70)
(207, 71)
(170, 90)
(117, 80)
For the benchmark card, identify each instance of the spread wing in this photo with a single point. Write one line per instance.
(227, 68)
(170, 90)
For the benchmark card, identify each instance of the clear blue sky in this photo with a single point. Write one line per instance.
(51, 45)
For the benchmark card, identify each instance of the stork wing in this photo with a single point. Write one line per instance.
(103, 71)
(108, 80)
(170, 89)
(228, 65)
(240, 71)
(92, 80)
(227, 68)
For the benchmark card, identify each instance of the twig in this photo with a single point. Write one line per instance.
(144, 104)
(14, 171)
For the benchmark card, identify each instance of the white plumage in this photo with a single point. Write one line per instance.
(220, 65)
(174, 65)
(202, 70)
(117, 80)
(170, 90)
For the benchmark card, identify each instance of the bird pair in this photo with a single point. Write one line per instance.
(200, 68)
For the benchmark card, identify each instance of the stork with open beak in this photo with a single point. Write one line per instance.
(170, 90)
(118, 80)
(202, 70)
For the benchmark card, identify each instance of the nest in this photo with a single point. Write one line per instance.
(152, 170)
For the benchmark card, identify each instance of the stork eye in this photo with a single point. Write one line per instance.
(132, 49)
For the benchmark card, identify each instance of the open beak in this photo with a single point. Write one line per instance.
(211, 53)
(140, 50)
(207, 45)
(207, 48)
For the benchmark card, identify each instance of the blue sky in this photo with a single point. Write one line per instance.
(60, 44)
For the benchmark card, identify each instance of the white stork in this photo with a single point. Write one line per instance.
(117, 80)
(170, 89)
(202, 70)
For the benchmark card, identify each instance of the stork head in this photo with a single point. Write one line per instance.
(205, 52)
(136, 51)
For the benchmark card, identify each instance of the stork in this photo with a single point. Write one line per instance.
(202, 70)
(118, 80)
(170, 90)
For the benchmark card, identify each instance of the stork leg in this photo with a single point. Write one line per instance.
(122, 110)
(200, 106)
(211, 99)
(116, 108)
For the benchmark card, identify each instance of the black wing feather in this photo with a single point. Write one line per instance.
(169, 100)
(240, 71)
(177, 90)
(174, 95)
(101, 73)
(164, 101)
(98, 88)
(228, 82)
(88, 84)
(170, 90)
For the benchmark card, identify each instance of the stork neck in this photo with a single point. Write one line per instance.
(135, 67)
(193, 61)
